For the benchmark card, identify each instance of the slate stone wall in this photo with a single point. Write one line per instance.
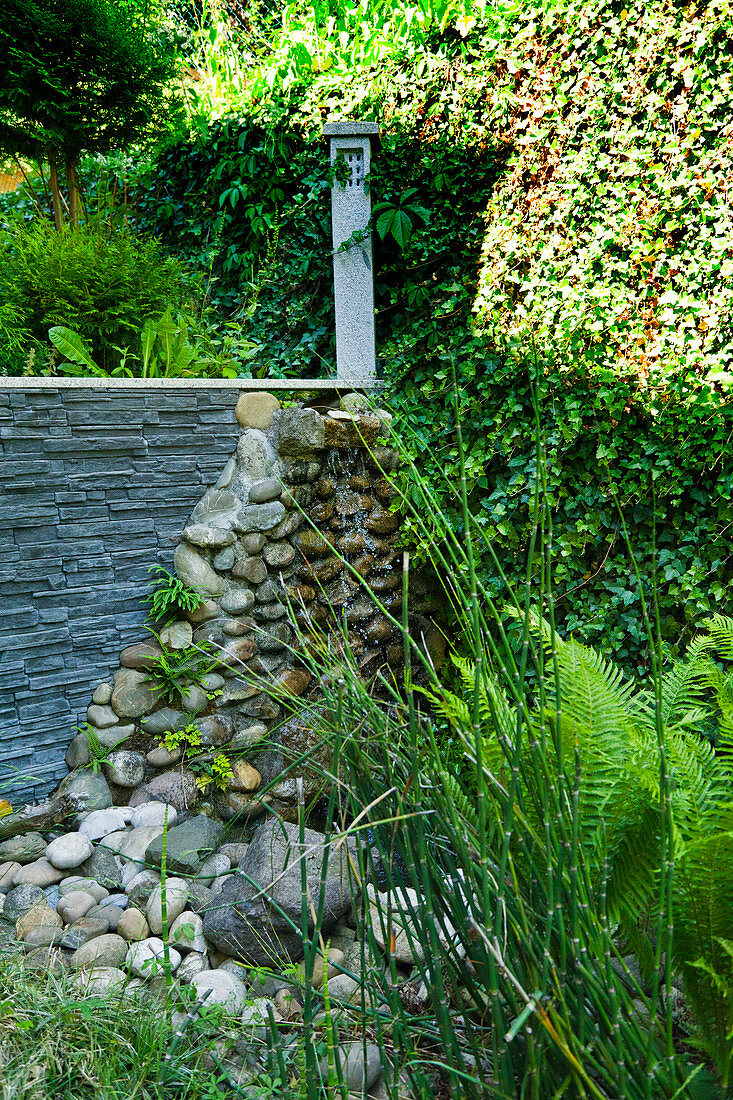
(95, 486)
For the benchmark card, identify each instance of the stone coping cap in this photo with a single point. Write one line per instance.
(347, 128)
(279, 384)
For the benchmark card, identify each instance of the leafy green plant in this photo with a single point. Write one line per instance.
(303, 44)
(604, 286)
(170, 596)
(222, 350)
(115, 1044)
(185, 934)
(189, 738)
(98, 753)
(513, 919)
(217, 770)
(613, 741)
(174, 671)
(451, 128)
(108, 93)
(397, 219)
(73, 350)
(166, 350)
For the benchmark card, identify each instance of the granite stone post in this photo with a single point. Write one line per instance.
(353, 271)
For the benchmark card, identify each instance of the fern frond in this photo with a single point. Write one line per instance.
(631, 831)
(452, 707)
(594, 691)
(720, 631)
(684, 687)
(595, 694)
(498, 720)
(703, 921)
(721, 684)
(459, 800)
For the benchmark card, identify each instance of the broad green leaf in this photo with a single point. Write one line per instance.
(401, 228)
(384, 222)
(167, 331)
(181, 362)
(70, 344)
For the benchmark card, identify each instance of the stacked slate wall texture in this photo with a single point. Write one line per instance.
(95, 486)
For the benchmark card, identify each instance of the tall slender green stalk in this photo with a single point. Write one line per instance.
(167, 968)
(664, 931)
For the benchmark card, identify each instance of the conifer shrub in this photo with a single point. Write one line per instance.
(101, 285)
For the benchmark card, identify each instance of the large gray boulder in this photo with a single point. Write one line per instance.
(134, 694)
(176, 788)
(125, 768)
(102, 867)
(26, 848)
(256, 458)
(250, 919)
(188, 845)
(259, 517)
(20, 900)
(164, 720)
(300, 431)
(88, 790)
(194, 570)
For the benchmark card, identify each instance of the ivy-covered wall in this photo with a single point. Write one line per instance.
(95, 487)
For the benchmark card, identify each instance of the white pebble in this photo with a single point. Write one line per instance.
(187, 932)
(226, 991)
(192, 965)
(176, 896)
(146, 957)
(69, 851)
(153, 813)
(100, 823)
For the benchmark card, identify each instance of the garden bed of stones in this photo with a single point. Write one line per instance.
(85, 901)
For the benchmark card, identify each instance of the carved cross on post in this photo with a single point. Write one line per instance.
(353, 273)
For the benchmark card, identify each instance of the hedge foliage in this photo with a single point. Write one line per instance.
(103, 284)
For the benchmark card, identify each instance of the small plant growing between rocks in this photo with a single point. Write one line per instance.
(217, 771)
(98, 753)
(170, 596)
(175, 670)
(189, 739)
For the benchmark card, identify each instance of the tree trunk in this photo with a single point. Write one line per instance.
(58, 216)
(72, 181)
(42, 210)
